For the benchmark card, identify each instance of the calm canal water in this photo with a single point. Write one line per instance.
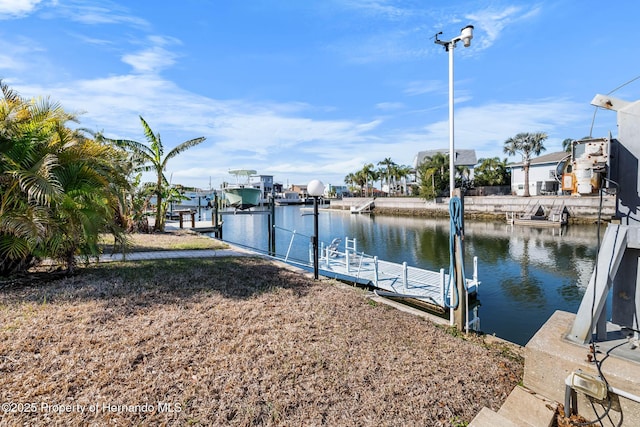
(526, 273)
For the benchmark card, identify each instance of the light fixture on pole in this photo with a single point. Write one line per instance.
(315, 189)
(456, 263)
(466, 34)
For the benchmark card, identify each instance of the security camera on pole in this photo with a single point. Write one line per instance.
(457, 299)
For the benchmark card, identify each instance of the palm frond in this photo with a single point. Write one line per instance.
(154, 140)
(182, 147)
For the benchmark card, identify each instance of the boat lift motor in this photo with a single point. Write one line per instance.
(586, 171)
(616, 267)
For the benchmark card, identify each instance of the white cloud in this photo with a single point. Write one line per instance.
(17, 8)
(491, 22)
(421, 87)
(239, 134)
(21, 54)
(150, 60)
(99, 12)
(486, 127)
(153, 59)
(382, 8)
(388, 106)
(281, 138)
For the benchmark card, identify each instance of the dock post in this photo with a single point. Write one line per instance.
(460, 313)
(405, 273)
(346, 258)
(215, 219)
(375, 277)
(214, 212)
(272, 225)
(442, 286)
(475, 271)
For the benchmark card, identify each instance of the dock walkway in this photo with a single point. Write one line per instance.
(394, 279)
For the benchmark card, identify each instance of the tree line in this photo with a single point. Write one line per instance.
(432, 174)
(62, 188)
(389, 172)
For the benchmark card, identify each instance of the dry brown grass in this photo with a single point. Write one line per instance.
(171, 240)
(233, 342)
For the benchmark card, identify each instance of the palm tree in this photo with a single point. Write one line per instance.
(374, 175)
(361, 180)
(386, 170)
(492, 171)
(526, 144)
(58, 190)
(381, 174)
(463, 172)
(149, 159)
(93, 176)
(27, 184)
(434, 172)
(350, 180)
(400, 173)
(370, 174)
(566, 144)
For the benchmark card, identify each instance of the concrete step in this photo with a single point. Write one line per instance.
(528, 409)
(487, 418)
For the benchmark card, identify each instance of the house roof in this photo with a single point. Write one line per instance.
(463, 157)
(545, 159)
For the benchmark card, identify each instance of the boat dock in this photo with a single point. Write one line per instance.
(364, 207)
(342, 261)
(390, 279)
(538, 215)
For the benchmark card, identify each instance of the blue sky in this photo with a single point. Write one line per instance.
(318, 88)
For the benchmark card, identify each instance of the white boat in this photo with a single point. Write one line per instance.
(289, 198)
(242, 195)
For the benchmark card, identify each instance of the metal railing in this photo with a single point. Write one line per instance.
(398, 278)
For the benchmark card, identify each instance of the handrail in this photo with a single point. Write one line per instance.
(363, 206)
(389, 276)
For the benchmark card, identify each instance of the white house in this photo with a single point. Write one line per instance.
(544, 174)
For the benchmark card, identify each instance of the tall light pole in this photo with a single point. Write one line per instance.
(456, 263)
(315, 189)
(466, 34)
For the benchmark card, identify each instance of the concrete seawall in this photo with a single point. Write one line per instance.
(581, 209)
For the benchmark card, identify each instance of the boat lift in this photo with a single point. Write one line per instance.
(616, 271)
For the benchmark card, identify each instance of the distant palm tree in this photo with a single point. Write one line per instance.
(433, 173)
(566, 144)
(361, 179)
(526, 144)
(463, 172)
(400, 173)
(370, 174)
(386, 170)
(350, 180)
(381, 174)
(149, 159)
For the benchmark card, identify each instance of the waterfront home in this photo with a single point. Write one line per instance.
(544, 174)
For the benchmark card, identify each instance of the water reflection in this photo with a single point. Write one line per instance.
(526, 273)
